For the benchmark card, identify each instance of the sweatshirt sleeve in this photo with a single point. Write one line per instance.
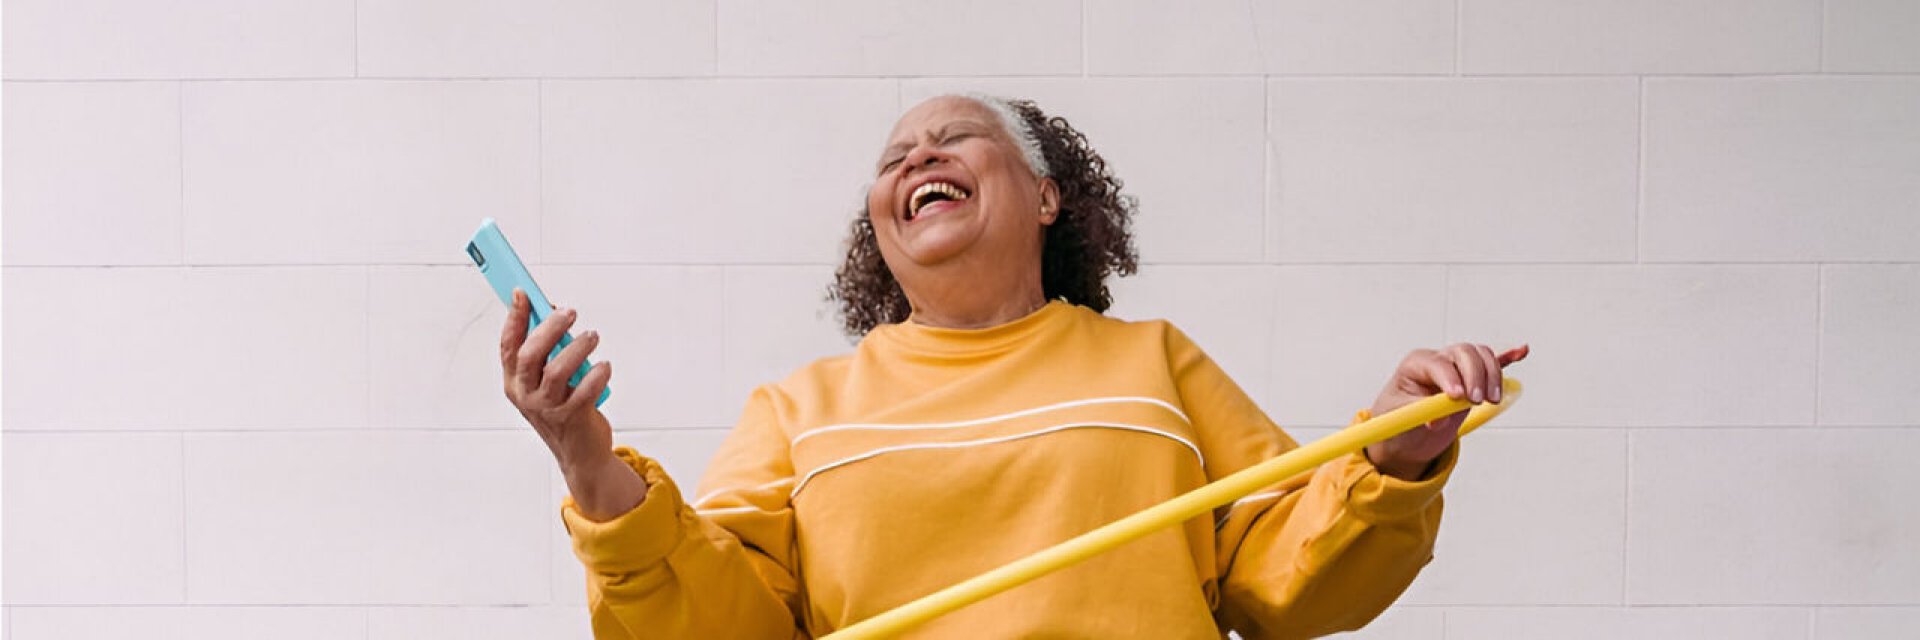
(1323, 552)
(718, 568)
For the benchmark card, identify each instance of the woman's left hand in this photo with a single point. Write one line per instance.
(1462, 371)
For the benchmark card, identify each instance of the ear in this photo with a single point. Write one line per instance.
(1049, 202)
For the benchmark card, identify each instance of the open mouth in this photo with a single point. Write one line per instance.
(927, 198)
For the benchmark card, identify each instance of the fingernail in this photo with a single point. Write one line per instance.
(1476, 395)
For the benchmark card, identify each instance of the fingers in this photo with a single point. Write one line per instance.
(515, 332)
(1489, 364)
(533, 354)
(1473, 372)
(590, 387)
(1438, 372)
(1463, 371)
(1502, 361)
(553, 381)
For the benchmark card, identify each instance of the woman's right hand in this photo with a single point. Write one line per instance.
(575, 431)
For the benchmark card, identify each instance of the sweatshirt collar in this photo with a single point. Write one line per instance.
(919, 337)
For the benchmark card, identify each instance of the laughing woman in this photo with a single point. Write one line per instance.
(990, 410)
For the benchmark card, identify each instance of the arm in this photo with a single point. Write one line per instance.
(1315, 554)
(1330, 554)
(655, 567)
(664, 570)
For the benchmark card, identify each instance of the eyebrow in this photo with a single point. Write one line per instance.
(903, 147)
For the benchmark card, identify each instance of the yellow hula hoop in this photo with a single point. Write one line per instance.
(1180, 509)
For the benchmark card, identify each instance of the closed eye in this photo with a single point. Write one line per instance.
(956, 138)
(946, 139)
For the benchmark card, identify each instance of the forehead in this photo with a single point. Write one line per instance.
(937, 112)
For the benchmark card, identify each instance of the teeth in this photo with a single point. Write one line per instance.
(919, 197)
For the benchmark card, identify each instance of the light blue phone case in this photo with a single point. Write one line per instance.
(503, 269)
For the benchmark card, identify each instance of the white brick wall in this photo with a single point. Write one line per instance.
(1640, 36)
(250, 385)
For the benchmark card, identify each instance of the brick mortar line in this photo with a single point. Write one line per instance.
(180, 125)
(1810, 75)
(1819, 339)
(186, 568)
(92, 431)
(1459, 37)
(531, 606)
(1626, 517)
(1292, 426)
(1639, 169)
(809, 265)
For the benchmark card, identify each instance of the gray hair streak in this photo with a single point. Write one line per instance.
(1016, 127)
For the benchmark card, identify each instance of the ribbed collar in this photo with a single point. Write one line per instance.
(917, 337)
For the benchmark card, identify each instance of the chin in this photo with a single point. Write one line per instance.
(938, 246)
(936, 240)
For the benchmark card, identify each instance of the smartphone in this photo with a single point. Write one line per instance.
(504, 270)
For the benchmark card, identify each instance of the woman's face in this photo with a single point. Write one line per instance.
(953, 188)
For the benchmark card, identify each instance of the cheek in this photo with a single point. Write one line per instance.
(1003, 175)
(1015, 200)
(880, 197)
(877, 210)
(881, 218)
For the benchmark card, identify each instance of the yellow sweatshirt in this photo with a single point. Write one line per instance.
(930, 455)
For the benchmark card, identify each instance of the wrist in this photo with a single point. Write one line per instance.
(584, 471)
(584, 453)
(605, 488)
(1408, 470)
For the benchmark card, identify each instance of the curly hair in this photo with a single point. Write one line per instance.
(1090, 238)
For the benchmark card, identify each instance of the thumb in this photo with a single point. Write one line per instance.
(1513, 355)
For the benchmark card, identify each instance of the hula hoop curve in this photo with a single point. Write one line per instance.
(1177, 510)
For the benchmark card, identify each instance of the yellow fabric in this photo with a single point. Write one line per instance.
(930, 455)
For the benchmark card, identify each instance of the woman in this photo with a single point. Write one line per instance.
(989, 411)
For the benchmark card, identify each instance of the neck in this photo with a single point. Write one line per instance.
(971, 306)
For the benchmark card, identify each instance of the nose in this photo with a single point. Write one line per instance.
(922, 156)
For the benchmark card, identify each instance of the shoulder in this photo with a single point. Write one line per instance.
(822, 372)
(802, 391)
(1152, 330)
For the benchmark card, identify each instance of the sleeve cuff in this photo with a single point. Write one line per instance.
(1377, 497)
(640, 538)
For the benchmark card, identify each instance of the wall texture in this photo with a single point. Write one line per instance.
(250, 388)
